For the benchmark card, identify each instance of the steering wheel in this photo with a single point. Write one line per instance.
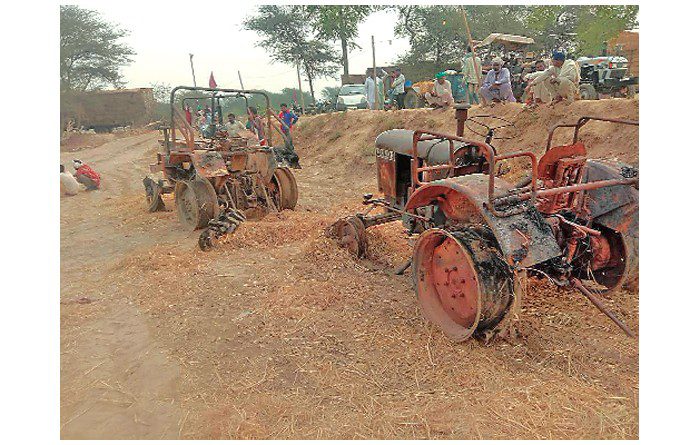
(486, 129)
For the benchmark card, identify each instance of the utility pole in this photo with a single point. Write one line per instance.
(240, 79)
(376, 87)
(301, 93)
(194, 81)
(471, 45)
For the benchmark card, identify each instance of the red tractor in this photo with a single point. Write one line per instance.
(221, 179)
(574, 220)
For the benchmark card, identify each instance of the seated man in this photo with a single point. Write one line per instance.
(561, 79)
(441, 95)
(233, 126)
(537, 94)
(86, 176)
(497, 86)
(69, 186)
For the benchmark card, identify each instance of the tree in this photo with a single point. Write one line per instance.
(438, 37)
(579, 30)
(286, 33)
(339, 23)
(90, 52)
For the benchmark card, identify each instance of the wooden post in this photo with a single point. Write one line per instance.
(471, 45)
(376, 87)
(240, 79)
(194, 81)
(301, 93)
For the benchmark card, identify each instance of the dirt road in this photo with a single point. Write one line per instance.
(281, 335)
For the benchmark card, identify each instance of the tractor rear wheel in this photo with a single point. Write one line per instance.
(196, 203)
(462, 283)
(285, 193)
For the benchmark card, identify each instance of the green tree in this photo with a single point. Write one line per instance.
(90, 52)
(579, 30)
(438, 37)
(287, 34)
(339, 23)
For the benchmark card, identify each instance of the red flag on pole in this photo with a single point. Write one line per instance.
(212, 82)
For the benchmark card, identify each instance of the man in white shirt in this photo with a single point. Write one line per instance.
(69, 185)
(538, 94)
(370, 90)
(441, 96)
(398, 85)
(561, 79)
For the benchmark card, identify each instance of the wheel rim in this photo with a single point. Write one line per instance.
(187, 205)
(447, 284)
(350, 233)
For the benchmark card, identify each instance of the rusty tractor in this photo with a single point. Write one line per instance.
(573, 220)
(221, 179)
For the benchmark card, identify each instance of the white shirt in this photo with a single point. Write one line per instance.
(69, 185)
(369, 90)
(569, 70)
(398, 84)
(445, 88)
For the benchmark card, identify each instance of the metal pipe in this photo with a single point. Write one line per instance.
(601, 307)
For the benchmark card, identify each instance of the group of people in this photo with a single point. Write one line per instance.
(208, 123)
(556, 83)
(84, 175)
(374, 88)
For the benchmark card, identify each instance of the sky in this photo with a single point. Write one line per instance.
(163, 38)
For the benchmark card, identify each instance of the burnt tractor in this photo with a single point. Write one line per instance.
(573, 220)
(219, 177)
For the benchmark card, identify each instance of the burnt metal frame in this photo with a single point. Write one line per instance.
(515, 195)
(187, 130)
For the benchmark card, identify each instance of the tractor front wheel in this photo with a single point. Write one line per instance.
(196, 203)
(350, 233)
(462, 283)
(285, 193)
(154, 200)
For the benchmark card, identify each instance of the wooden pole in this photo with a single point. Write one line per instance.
(376, 87)
(471, 44)
(301, 92)
(194, 81)
(240, 79)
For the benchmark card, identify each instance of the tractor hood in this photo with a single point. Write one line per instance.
(400, 141)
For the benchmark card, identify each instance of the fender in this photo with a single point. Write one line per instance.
(525, 239)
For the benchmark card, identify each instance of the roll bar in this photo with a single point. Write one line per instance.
(188, 134)
(580, 123)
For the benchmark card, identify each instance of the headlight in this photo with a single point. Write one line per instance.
(340, 100)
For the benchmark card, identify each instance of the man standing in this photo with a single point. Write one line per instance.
(561, 79)
(86, 176)
(472, 74)
(69, 186)
(441, 95)
(398, 86)
(369, 90)
(288, 117)
(497, 87)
